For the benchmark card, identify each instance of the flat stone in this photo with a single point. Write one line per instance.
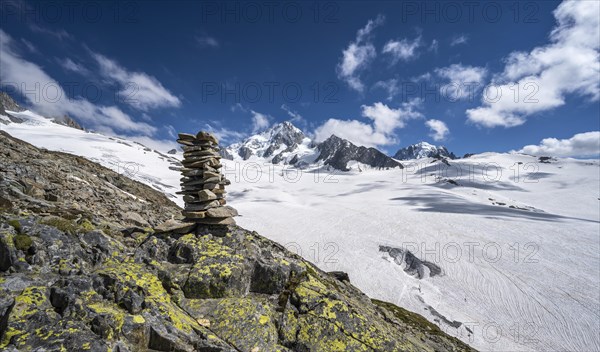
(192, 172)
(221, 212)
(216, 221)
(194, 214)
(198, 145)
(206, 195)
(192, 183)
(210, 186)
(186, 136)
(185, 142)
(205, 136)
(211, 174)
(201, 153)
(215, 179)
(175, 226)
(202, 206)
(196, 159)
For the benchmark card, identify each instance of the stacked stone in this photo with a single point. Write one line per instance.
(202, 185)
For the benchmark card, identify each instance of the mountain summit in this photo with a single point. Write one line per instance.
(423, 150)
(286, 143)
(276, 143)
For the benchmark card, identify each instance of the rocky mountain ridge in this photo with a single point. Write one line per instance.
(94, 261)
(423, 150)
(285, 143)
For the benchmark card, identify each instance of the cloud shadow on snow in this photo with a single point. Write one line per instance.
(440, 203)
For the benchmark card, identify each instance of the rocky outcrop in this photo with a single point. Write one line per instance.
(337, 152)
(423, 150)
(8, 103)
(75, 276)
(68, 121)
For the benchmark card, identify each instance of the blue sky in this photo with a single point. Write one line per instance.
(383, 74)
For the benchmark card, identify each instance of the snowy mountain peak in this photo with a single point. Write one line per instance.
(281, 138)
(423, 150)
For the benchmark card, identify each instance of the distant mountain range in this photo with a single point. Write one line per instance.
(287, 144)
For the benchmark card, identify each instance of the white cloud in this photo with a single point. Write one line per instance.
(259, 121)
(439, 130)
(459, 39)
(238, 107)
(390, 86)
(138, 89)
(381, 131)
(358, 55)
(580, 145)
(70, 65)
(357, 132)
(29, 46)
(434, 46)
(295, 116)
(540, 79)
(462, 80)
(462, 73)
(404, 49)
(59, 34)
(25, 76)
(224, 135)
(205, 40)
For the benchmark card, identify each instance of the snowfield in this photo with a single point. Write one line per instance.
(517, 240)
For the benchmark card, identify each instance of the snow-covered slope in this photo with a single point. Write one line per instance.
(422, 150)
(128, 158)
(504, 249)
(519, 257)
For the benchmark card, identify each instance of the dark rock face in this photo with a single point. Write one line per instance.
(423, 150)
(73, 283)
(412, 264)
(337, 152)
(67, 121)
(245, 153)
(172, 151)
(8, 103)
(225, 154)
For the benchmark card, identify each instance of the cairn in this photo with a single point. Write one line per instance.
(202, 185)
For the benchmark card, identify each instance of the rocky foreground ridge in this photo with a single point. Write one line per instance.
(92, 261)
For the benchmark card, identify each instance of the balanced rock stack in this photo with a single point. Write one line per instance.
(202, 185)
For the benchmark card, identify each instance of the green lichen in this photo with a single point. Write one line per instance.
(87, 226)
(22, 242)
(15, 224)
(61, 224)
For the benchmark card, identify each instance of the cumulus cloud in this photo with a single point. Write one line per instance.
(295, 116)
(462, 80)
(138, 89)
(439, 130)
(459, 39)
(259, 121)
(541, 79)
(358, 55)
(404, 50)
(580, 145)
(24, 76)
(381, 131)
(390, 86)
